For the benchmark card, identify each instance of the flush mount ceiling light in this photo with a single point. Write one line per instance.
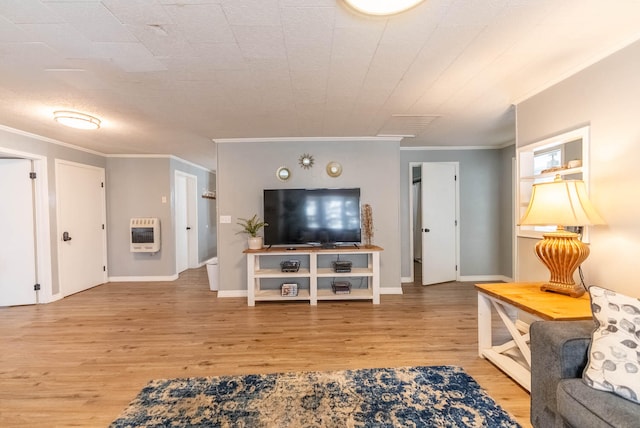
(76, 120)
(382, 7)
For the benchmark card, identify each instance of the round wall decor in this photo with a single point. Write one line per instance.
(306, 161)
(283, 173)
(334, 169)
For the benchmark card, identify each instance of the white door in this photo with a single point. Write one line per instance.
(439, 223)
(186, 215)
(182, 231)
(17, 244)
(81, 223)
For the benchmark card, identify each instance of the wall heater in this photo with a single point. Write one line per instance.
(145, 235)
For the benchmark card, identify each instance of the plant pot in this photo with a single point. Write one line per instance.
(255, 243)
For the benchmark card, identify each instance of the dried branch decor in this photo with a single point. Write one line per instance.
(367, 224)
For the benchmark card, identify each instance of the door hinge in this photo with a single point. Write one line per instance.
(456, 222)
(36, 287)
(32, 175)
(104, 268)
(102, 184)
(456, 268)
(103, 227)
(455, 177)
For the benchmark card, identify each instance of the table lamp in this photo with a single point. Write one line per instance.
(561, 203)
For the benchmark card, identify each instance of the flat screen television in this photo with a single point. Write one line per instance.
(325, 217)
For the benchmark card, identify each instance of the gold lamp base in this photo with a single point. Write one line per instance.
(562, 252)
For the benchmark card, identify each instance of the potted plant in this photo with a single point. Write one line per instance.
(251, 227)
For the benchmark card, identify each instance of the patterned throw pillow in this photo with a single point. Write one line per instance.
(614, 353)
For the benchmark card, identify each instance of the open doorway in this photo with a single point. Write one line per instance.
(434, 212)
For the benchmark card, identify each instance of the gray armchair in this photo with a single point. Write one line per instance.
(559, 397)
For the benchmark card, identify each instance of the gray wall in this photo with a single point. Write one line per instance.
(246, 168)
(607, 97)
(485, 208)
(135, 188)
(39, 146)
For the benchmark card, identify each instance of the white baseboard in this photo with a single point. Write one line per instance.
(52, 298)
(472, 278)
(390, 290)
(232, 293)
(142, 278)
(469, 278)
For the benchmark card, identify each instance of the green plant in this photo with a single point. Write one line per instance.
(251, 226)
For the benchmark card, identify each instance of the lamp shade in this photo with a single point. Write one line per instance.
(560, 203)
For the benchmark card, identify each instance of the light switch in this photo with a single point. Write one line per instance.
(225, 219)
(164, 199)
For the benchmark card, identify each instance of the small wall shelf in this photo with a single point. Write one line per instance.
(263, 274)
(560, 172)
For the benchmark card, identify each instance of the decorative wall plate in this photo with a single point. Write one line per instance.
(283, 173)
(334, 169)
(306, 161)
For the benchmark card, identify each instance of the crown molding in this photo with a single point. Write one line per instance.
(48, 140)
(436, 148)
(391, 139)
(158, 156)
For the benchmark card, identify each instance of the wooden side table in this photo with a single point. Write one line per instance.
(514, 356)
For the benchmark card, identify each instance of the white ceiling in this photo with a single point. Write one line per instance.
(168, 76)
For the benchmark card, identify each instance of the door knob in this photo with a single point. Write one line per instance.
(66, 237)
(426, 230)
(188, 228)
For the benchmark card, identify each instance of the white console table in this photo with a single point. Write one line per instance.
(264, 273)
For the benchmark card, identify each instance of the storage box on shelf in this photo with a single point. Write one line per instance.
(315, 274)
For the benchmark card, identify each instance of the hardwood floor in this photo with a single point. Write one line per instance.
(79, 361)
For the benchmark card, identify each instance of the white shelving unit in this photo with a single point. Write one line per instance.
(314, 275)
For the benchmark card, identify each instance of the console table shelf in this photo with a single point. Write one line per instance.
(277, 273)
(262, 268)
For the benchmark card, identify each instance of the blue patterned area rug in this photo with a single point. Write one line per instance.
(438, 396)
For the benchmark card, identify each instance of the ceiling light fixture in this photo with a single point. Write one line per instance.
(76, 120)
(382, 7)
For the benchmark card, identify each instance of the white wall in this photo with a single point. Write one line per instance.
(605, 96)
(246, 168)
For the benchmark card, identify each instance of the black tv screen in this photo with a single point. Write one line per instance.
(312, 216)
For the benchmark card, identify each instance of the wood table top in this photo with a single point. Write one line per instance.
(528, 297)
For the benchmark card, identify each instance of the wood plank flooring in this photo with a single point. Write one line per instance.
(79, 361)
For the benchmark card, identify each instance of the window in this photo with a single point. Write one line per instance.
(540, 162)
(547, 159)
